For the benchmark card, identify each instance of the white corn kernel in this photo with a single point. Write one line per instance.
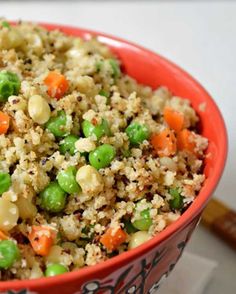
(39, 109)
(36, 271)
(90, 180)
(9, 215)
(85, 85)
(54, 255)
(27, 210)
(138, 238)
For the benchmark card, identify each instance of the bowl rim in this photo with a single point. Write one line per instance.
(175, 227)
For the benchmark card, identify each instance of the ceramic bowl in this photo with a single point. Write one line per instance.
(142, 269)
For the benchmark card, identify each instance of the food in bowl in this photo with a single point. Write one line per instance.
(92, 163)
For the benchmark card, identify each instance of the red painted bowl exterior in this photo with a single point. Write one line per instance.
(142, 269)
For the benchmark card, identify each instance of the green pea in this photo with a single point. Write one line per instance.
(53, 198)
(9, 85)
(56, 125)
(9, 253)
(115, 68)
(55, 269)
(98, 130)
(102, 156)
(5, 24)
(144, 222)
(129, 228)
(177, 200)
(66, 180)
(5, 182)
(68, 144)
(137, 133)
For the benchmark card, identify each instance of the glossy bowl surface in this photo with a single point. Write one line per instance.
(142, 269)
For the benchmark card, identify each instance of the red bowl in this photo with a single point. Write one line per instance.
(141, 269)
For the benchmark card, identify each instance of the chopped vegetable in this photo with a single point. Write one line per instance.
(4, 122)
(113, 238)
(53, 198)
(41, 239)
(55, 269)
(174, 119)
(137, 133)
(9, 253)
(68, 144)
(5, 182)
(185, 141)
(9, 85)
(57, 84)
(66, 180)
(56, 125)
(144, 222)
(102, 156)
(164, 143)
(177, 200)
(115, 68)
(98, 130)
(103, 93)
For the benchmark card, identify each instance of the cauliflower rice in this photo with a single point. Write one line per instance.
(118, 201)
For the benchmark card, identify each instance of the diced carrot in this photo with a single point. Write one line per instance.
(41, 239)
(113, 238)
(174, 119)
(185, 141)
(164, 143)
(4, 122)
(57, 84)
(3, 236)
